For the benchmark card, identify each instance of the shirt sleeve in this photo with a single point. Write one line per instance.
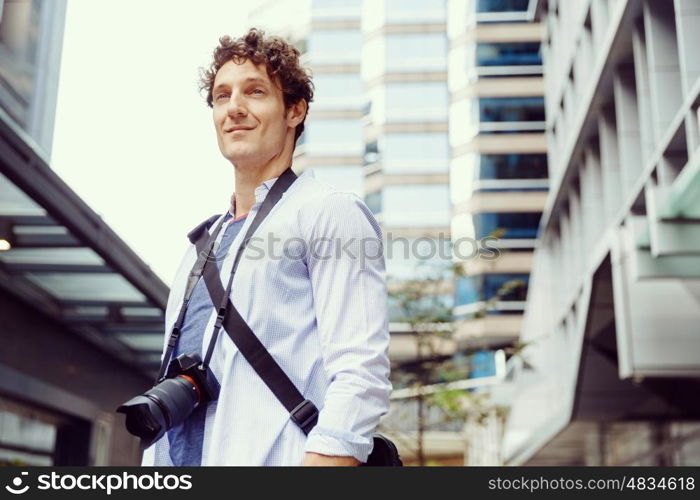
(347, 271)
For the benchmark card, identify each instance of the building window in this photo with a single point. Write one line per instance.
(502, 5)
(511, 109)
(416, 206)
(414, 153)
(507, 225)
(374, 202)
(411, 258)
(340, 91)
(416, 102)
(19, 32)
(336, 9)
(415, 11)
(501, 287)
(27, 437)
(512, 166)
(334, 138)
(335, 47)
(437, 306)
(416, 52)
(508, 54)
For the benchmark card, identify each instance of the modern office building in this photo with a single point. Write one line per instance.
(498, 184)
(82, 315)
(611, 372)
(498, 163)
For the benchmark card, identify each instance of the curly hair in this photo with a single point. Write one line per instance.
(281, 60)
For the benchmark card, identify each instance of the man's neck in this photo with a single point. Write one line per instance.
(248, 179)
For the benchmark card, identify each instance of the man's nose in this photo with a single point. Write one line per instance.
(236, 105)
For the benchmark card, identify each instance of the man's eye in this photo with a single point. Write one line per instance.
(220, 95)
(259, 90)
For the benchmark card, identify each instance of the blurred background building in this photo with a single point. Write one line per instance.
(610, 373)
(82, 315)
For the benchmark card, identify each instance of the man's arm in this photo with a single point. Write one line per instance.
(346, 268)
(317, 460)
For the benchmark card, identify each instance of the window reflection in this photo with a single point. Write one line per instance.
(412, 258)
(507, 225)
(343, 91)
(416, 52)
(512, 166)
(502, 5)
(335, 47)
(416, 206)
(416, 11)
(19, 31)
(502, 287)
(334, 137)
(424, 101)
(508, 54)
(414, 152)
(511, 109)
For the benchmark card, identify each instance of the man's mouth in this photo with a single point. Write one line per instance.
(236, 129)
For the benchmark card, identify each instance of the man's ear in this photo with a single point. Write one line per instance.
(296, 113)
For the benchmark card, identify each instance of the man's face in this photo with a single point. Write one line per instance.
(249, 114)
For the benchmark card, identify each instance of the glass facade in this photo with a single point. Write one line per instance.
(335, 47)
(333, 138)
(415, 11)
(31, 38)
(512, 166)
(507, 225)
(19, 37)
(24, 438)
(415, 258)
(414, 153)
(374, 202)
(338, 91)
(412, 205)
(508, 54)
(331, 10)
(511, 109)
(414, 102)
(504, 287)
(431, 303)
(502, 5)
(416, 52)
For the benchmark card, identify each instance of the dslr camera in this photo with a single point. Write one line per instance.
(187, 384)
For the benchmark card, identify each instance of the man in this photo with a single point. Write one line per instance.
(318, 306)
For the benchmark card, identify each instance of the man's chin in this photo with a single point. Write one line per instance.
(236, 155)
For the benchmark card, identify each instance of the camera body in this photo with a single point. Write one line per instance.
(187, 384)
(190, 365)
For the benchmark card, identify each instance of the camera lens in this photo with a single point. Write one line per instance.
(164, 406)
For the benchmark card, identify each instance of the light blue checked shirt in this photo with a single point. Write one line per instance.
(311, 285)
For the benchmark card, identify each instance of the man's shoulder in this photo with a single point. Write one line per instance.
(317, 194)
(327, 205)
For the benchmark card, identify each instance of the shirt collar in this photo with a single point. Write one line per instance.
(260, 194)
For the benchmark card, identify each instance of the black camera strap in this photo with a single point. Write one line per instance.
(302, 411)
(204, 243)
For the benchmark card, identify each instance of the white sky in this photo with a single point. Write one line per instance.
(133, 137)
